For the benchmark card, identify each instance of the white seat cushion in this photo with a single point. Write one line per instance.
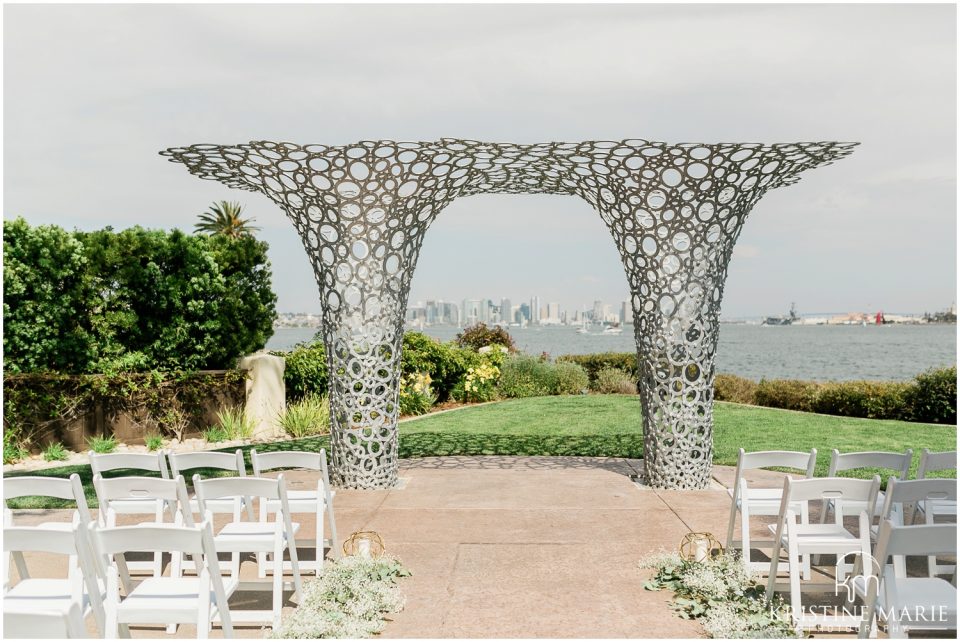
(821, 538)
(161, 599)
(41, 594)
(929, 593)
(246, 537)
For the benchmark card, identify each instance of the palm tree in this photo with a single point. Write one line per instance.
(224, 218)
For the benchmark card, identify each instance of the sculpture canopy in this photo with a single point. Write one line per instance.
(673, 210)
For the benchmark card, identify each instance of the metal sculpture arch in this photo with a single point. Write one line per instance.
(674, 211)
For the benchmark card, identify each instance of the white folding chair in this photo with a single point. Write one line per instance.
(31, 486)
(903, 494)
(911, 603)
(43, 625)
(180, 463)
(135, 495)
(898, 463)
(318, 502)
(764, 501)
(797, 538)
(148, 462)
(254, 537)
(81, 589)
(935, 462)
(199, 600)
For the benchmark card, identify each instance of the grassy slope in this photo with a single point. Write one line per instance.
(609, 425)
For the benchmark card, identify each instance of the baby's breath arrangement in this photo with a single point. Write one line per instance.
(348, 600)
(721, 591)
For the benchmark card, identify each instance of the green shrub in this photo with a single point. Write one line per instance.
(615, 381)
(733, 388)
(594, 363)
(868, 399)
(479, 384)
(571, 379)
(416, 394)
(789, 394)
(153, 442)
(91, 302)
(933, 397)
(479, 336)
(527, 376)
(13, 450)
(446, 364)
(308, 416)
(305, 371)
(215, 434)
(102, 445)
(235, 423)
(55, 452)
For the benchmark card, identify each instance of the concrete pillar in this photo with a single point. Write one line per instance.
(266, 393)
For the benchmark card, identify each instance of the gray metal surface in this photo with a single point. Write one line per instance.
(674, 211)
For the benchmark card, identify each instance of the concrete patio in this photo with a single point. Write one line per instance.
(504, 547)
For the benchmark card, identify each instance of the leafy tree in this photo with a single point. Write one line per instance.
(46, 290)
(224, 218)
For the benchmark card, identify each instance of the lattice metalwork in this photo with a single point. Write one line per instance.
(674, 210)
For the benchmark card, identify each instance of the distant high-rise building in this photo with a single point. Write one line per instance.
(505, 309)
(535, 310)
(598, 311)
(471, 311)
(626, 314)
(524, 312)
(553, 312)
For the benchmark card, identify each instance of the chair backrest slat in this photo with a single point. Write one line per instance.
(838, 489)
(221, 487)
(149, 538)
(30, 539)
(932, 462)
(899, 462)
(138, 488)
(70, 489)
(40, 486)
(804, 461)
(181, 462)
(156, 462)
(284, 459)
(927, 539)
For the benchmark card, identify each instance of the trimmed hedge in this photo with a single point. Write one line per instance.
(594, 363)
(131, 301)
(736, 389)
(930, 398)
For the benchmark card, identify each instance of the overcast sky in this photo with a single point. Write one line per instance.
(92, 93)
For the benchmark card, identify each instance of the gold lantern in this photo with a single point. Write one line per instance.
(700, 547)
(364, 543)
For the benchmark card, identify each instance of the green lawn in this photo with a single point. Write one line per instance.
(609, 426)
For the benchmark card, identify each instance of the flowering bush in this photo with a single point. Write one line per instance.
(480, 384)
(416, 394)
(348, 600)
(721, 591)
